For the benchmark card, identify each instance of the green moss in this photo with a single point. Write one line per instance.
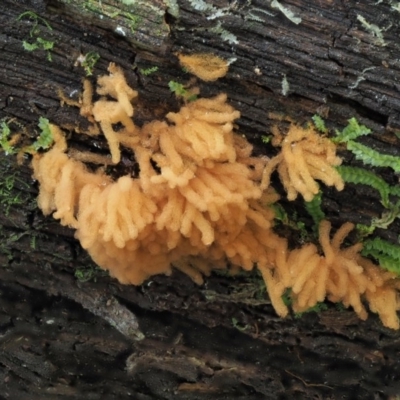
(12, 183)
(288, 301)
(351, 132)
(292, 221)
(90, 273)
(149, 71)
(39, 44)
(89, 61)
(7, 239)
(9, 140)
(364, 230)
(8, 196)
(362, 176)
(319, 123)
(372, 157)
(313, 207)
(266, 138)
(5, 138)
(44, 140)
(387, 254)
(180, 91)
(36, 42)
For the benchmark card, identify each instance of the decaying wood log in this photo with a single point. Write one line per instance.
(69, 331)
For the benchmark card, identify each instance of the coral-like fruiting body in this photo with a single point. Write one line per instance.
(197, 192)
(305, 157)
(200, 202)
(207, 67)
(339, 275)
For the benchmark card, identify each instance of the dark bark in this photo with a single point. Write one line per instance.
(64, 337)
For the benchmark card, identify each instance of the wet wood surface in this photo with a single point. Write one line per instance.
(69, 331)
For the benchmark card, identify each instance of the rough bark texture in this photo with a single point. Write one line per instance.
(69, 331)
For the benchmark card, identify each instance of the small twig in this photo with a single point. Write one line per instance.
(308, 384)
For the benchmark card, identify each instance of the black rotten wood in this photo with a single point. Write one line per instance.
(63, 336)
